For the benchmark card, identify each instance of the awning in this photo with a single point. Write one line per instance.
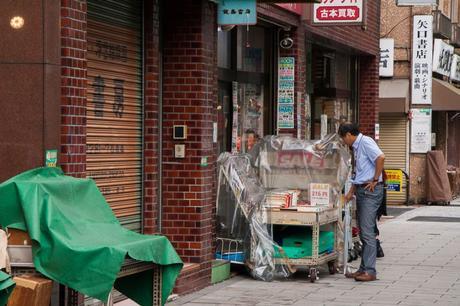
(446, 97)
(394, 96)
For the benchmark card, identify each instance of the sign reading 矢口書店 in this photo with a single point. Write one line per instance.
(387, 47)
(455, 68)
(338, 11)
(442, 57)
(422, 46)
(420, 130)
(243, 12)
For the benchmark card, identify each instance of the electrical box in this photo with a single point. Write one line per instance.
(180, 132)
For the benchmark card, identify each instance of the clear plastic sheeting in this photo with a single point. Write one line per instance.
(286, 171)
(243, 235)
(286, 162)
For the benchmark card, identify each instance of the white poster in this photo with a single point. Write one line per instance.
(338, 11)
(422, 45)
(285, 116)
(387, 48)
(442, 57)
(299, 114)
(420, 130)
(455, 68)
(286, 97)
(235, 117)
(319, 194)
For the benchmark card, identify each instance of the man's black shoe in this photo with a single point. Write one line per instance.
(380, 253)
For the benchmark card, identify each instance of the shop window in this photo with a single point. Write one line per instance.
(251, 45)
(245, 58)
(224, 51)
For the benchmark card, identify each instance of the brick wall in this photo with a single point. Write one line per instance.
(189, 98)
(151, 119)
(73, 87)
(368, 94)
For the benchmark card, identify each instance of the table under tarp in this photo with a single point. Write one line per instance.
(78, 241)
(6, 287)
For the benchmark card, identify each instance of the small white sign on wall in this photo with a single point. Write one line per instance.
(387, 51)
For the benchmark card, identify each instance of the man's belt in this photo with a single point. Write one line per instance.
(365, 184)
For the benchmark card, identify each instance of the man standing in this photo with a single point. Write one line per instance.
(368, 187)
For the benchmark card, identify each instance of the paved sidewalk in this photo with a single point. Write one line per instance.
(421, 267)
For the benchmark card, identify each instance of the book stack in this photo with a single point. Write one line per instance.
(282, 198)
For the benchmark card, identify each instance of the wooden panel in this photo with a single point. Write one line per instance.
(114, 106)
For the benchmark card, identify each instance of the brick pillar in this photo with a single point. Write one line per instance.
(368, 95)
(298, 52)
(73, 87)
(151, 130)
(189, 98)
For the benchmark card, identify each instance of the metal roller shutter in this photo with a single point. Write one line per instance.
(393, 142)
(114, 107)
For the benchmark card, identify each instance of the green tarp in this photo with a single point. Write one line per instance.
(6, 287)
(77, 240)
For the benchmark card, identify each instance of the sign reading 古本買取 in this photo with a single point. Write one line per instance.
(422, 46)
(231, 12)
(338, 11)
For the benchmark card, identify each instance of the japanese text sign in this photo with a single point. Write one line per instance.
(237, 12)
(455, 68)
(420, 130)
(286, 78)
(422, 46)
(319, 194)
(387, 47)
(394, 180)
(293, 7)
(442, 57)
(338, 11)
(51, 158)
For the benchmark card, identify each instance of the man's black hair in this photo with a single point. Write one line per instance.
(348, 127)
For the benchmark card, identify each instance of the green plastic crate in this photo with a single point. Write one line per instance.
(300, 245)
(220, 271)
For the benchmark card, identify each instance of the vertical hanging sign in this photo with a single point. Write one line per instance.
(387, 46)
(422, 46)
(286, 76)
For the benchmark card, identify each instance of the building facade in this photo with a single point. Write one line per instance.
(142, 96)
(398, 107)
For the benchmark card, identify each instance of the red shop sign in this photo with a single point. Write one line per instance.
(338, 11)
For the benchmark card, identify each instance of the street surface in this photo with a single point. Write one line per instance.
(421, 267)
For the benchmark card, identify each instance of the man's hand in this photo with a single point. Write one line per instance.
(371, 186)
(349, 196)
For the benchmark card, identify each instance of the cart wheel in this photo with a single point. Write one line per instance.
(313, 274)
(332, 267)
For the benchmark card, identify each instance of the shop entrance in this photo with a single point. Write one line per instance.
(114, 108)
(334, 83)
(246, 65)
